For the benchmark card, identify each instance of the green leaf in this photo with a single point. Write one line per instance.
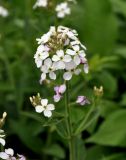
(55, 150)
(113, 130)
(109, 83)
(119, 6)
(26, 130)
(115, 157)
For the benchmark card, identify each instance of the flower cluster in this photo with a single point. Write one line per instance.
(59, 91)
(42, 106)
(8, 154)
(3, 12)
(60, 49)
(62, 9)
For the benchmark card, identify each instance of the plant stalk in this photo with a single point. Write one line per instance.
(69, 124)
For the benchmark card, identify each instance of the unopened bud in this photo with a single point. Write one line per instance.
(98, 91)
(2, 120)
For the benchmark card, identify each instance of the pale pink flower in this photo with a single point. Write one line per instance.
(82, 100)
(59, 91)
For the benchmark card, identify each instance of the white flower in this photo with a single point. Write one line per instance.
(72, 34)
(71, 69)
(8, 154)
(62, 10)
(3, 12)
(60, 49)
(40, 3)
(48, 67)
(45, 108)
(68, 75)
(2, 141)
(61, 59)
(46, 37)
(77, 42)
(41, 54)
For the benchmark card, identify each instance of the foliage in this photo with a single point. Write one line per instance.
(102, 28)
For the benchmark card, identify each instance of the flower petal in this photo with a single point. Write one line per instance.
(43, 76)
(61, 65)
(67, 58)
(55, 58)
(3, 155)
(44, 102)
(48, 62)
(67, 76)
(86, 68)
(52, 75)
(77, 71)
(60, 53)
(70, 52)
(47, 113)
(9, 151)
(76, 48)
(38, 62)
(2, 141)
(77, 60)
(57, 97)
(39, 109)
(62, 88)
(50, 107)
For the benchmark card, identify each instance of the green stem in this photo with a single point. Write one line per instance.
(69, 124)
(83, 123)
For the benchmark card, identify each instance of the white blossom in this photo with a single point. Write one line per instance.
(45, 108)
(61, 58)
(41, 54)
(48, 67)
(3, 12)
(62, 10)
(60, 49)
(40, 3)
(8, 154)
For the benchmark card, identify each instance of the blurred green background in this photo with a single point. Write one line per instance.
(101, 25)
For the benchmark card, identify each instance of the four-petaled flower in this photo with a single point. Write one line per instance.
(40, 3)
(45, 108)
(49, 68)
(62, 10)
(61, 58)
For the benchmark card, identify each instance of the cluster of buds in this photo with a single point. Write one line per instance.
(8, 154)
(60, 49)
(62, 9)
(3, 12)
(42, 106)
(98, 91)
